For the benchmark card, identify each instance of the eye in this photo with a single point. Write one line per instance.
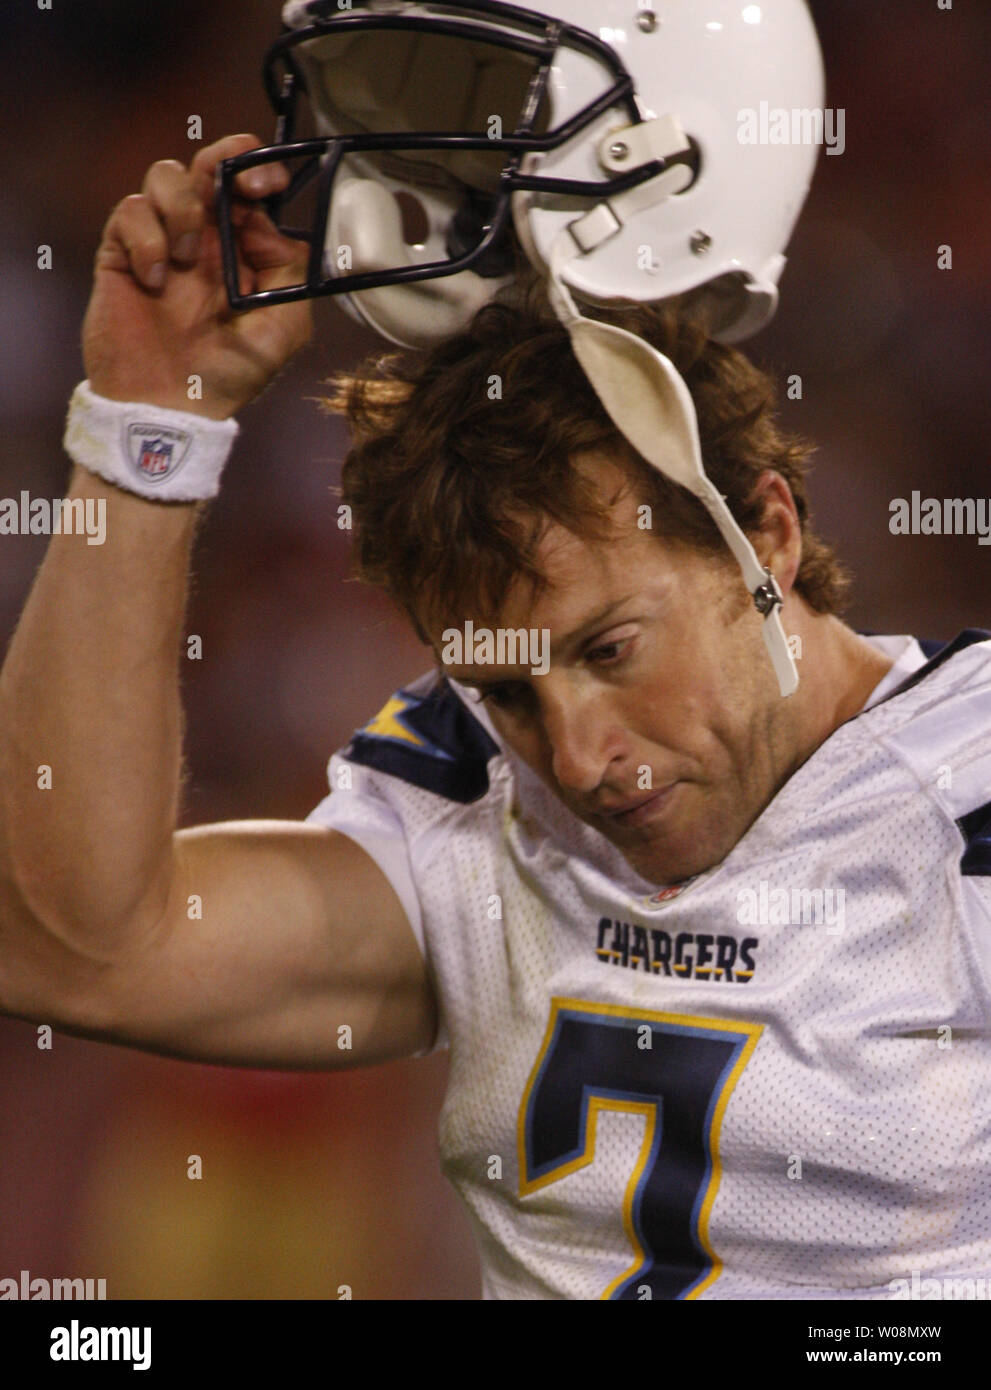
(504, 696)
(610, 653)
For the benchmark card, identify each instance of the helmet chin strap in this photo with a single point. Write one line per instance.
(648, 401)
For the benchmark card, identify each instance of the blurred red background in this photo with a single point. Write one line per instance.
(311, 1182)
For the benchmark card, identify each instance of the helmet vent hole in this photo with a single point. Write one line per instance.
(416, 225)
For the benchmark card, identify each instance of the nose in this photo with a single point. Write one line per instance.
(583, 740)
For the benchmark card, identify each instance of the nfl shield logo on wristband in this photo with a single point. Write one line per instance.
(156, 453)
(156, 457)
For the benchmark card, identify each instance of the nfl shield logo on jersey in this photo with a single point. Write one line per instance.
(156, 453)
(673, 890)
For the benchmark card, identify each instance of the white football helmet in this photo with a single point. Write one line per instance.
(626, 121)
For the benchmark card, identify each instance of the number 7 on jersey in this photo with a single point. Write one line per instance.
(675, 1070)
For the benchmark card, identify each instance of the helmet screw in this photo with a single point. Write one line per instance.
(647, 21)
(618, 150)
(701, 242)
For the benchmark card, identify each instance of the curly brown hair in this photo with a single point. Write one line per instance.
(452, 480)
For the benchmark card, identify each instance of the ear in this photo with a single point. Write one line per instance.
(779, 540)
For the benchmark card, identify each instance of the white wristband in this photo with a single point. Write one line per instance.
(165, 455)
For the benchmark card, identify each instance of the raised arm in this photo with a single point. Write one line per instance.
(300, 933)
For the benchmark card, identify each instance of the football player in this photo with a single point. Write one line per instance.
(709, 944)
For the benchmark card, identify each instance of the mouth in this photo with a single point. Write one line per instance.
(641, 810)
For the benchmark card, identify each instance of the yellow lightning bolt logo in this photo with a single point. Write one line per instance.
(386, 723)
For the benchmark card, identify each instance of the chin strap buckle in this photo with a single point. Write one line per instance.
(767, 596)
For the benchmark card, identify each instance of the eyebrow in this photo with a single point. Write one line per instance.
(571, 638)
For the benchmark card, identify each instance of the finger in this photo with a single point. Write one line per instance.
(260, 182)
(169, 190)
(274, 259)
(135, 240)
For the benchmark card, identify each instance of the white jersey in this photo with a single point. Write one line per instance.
(774, 1082)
